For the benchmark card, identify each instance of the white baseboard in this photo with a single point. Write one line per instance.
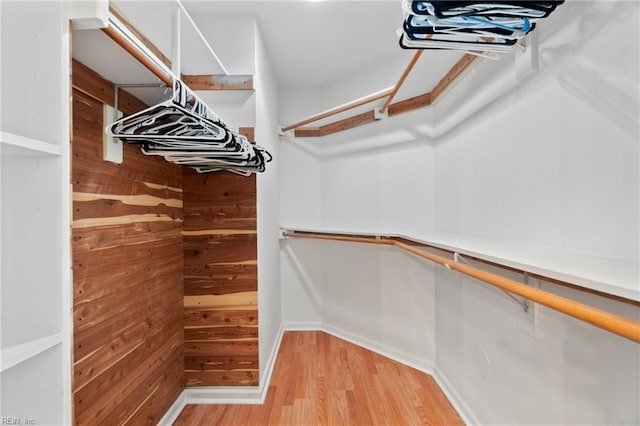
(463, 409)
(223, 395)
(265, 379)
(174, 411)
(303, 326)
(412, 361)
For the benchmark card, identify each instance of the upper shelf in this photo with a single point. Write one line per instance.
(12, 145)
(618, 277)
(14, 355)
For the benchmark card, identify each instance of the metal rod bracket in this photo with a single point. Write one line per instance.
(379, 115)
(524, 303)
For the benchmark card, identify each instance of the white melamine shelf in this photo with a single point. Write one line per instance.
(225, 98)
(12, 145)
(618, 277)
(14, 355)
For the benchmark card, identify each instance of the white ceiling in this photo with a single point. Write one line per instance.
(312, 43)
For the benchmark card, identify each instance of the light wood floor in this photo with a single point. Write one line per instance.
(322, 380)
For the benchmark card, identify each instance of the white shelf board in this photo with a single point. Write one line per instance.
(14, 355)
(218, 99)
(12, 145)
(618, 277)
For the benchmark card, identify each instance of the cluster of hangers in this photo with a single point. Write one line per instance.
(470, 26)
(185, 131)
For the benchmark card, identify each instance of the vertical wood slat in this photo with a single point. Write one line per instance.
(128, 297)
(220, 263)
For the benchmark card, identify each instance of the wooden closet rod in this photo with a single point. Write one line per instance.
(389, 94)
(602, 319)
(429, 98)
(135, 51)
(401, 80)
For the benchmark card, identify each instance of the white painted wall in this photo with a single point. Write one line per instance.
(382, 190)
(381, 299)
(505, 366)
(268, 202)
(300, 178)
(377, 298)
(237, 55)
(553, 164)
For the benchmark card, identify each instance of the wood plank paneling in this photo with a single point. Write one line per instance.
(91, 83)
(220, 279)
(319, 379)
(218, 82)
(128, 273)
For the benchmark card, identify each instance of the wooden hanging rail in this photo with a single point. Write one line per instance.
(117, 13)
(403, 77)
(355, 104)
(602, 319)
(117, 35)
(119, 24)
(450, 78)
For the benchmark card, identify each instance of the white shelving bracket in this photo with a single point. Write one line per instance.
(112, 150)
(525, 281)
(524, 303)
(379, 115)
(526, 60)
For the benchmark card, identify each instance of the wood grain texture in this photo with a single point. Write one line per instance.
(91, 83)
(249, 133)
(322, 380)
(218, 82)
(453, 75)
(410, 104)
(341, 109)
(348, 123)
(220, 279)
(337, 126)
(401, 80)
(128, 349)
(307, 132)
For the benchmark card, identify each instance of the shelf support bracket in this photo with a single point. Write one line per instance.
(524, 303)
(112, 150)
(525, 281)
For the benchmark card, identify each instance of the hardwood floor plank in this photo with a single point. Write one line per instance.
(320, 379)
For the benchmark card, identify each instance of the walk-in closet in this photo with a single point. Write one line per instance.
(320, 212)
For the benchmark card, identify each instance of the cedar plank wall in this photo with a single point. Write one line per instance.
(220, 279)
(128, 273)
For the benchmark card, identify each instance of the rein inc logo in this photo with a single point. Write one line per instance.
(17, 421)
